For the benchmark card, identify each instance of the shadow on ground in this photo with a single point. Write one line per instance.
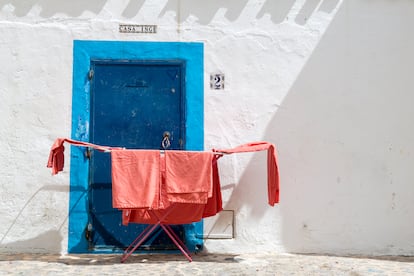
(110, 259)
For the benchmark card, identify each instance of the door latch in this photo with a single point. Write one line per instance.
(165, 143)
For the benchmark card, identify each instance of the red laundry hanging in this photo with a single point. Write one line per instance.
(214, 203)
(56, 156)
(149, 179)
(145, 180)
(182, 213)
(185, 188)
(188, 176)
(272, 168)
(136, 179)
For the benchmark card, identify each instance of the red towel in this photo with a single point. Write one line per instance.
(136, 179)
(188, 176)
(272, 169)
(144, 179)
(199, 172)
(181, 213)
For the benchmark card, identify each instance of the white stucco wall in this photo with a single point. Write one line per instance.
(329, 82)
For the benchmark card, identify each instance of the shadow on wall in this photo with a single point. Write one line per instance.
(204, 13)
(278, 10)
(251, 192)
(49, 241)
(308, 129)
(133, 8)
(343, 142)
(49, 8)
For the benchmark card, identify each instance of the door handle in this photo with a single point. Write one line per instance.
(165, 143)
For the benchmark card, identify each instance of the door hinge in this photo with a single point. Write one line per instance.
(88, 232)
(88, 153)
(90, 74)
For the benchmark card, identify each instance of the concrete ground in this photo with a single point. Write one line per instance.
(203, 264)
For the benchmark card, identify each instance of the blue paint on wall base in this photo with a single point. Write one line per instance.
(83, 53)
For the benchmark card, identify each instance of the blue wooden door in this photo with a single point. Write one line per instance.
(133, 103)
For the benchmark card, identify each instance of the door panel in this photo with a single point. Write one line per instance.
(132, 104)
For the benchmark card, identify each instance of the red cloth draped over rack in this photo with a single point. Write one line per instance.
(150, 179)
(272, 167)
(145, 180)
(156, 180)
(56, 159)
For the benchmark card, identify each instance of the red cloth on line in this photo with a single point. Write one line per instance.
(56, 159)
(272, 168)
(214, 203)
(188, 176)
(136, 179)
(148, 179)
(181, 213)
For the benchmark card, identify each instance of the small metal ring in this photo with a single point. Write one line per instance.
(165, 142)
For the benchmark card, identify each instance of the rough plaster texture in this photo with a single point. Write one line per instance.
(327, 81)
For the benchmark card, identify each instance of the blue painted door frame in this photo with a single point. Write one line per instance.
(84, 52)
